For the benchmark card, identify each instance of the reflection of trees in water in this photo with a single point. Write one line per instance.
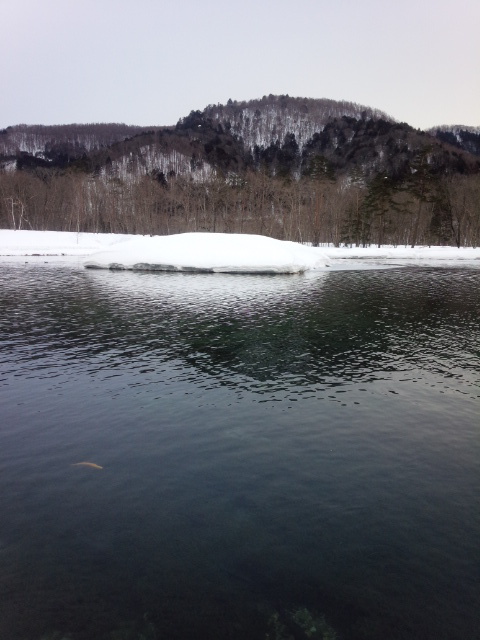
(355, 326)
(335, 328)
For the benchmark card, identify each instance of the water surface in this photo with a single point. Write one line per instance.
(267, 443)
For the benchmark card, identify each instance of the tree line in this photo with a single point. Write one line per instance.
(422, 207)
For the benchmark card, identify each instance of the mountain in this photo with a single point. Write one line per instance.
(466, 138)
(293, 168)
(280, 134)
(263, 122)
(71, 141)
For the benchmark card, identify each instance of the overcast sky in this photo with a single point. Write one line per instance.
(150, 62)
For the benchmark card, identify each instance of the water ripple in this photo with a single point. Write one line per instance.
(265, 335)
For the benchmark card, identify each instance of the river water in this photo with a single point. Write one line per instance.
(268, 444)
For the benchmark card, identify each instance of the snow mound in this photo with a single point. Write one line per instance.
(210, 252)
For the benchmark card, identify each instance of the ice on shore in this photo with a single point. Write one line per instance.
(210, 252)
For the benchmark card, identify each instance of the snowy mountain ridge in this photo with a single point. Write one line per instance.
(268, 120)
(42, 140)
(283, 135)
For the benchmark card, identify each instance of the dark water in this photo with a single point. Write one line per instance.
(267, 443)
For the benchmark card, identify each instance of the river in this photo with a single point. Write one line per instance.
(271, 447)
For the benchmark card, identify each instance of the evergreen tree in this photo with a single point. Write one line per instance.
(422, 186)
(354, 221)
(321, 175)
(378, 203)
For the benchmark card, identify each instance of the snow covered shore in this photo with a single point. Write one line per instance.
(55, 243)
(215, 252)
(232, 253)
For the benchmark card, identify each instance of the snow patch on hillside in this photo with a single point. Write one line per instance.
(150, 160)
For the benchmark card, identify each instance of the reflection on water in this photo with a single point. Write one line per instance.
(264, 334)
(267, 442)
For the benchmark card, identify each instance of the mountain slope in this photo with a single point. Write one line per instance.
(267, 120)
(72, 139)
(281, 135)
(466, 138)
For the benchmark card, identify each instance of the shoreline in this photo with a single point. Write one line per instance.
(70, 244)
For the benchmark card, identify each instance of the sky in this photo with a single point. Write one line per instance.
(150, 62)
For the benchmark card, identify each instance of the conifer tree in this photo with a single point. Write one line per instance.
(378, 202)
(421, 185)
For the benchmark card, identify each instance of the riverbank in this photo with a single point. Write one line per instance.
(63, 243)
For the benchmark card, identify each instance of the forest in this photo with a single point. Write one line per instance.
(311, 171)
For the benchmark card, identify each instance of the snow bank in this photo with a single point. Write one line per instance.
(210, 252)
(402, 253)
(55, 243)
(221, 252)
